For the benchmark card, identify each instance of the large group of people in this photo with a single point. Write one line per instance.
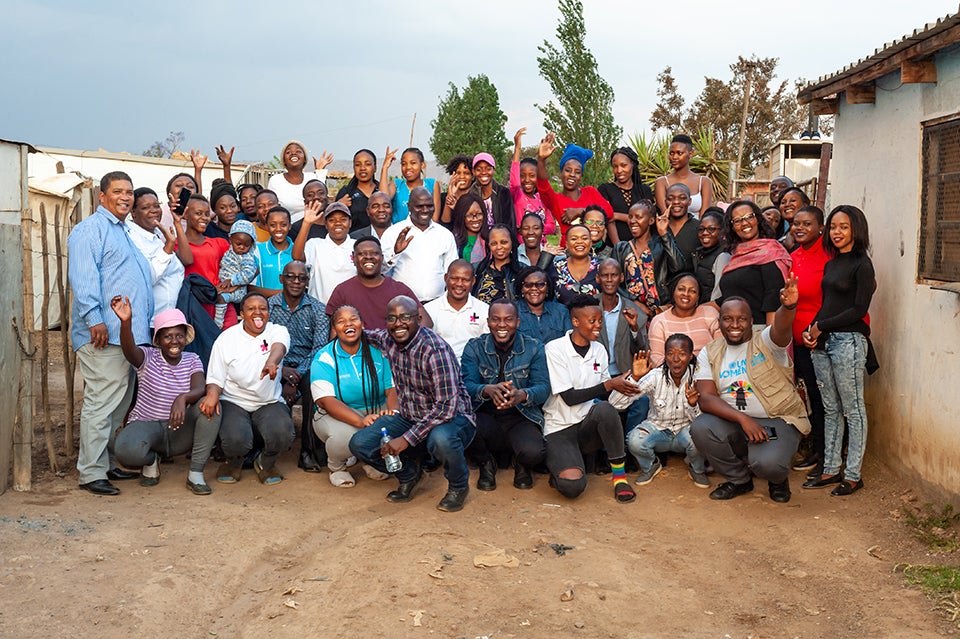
(423, 325)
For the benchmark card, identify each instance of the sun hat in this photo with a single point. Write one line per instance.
(168, 318)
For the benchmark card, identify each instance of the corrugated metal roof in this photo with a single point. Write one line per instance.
(888, 50)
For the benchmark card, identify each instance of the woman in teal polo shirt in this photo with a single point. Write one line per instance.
(352, 385)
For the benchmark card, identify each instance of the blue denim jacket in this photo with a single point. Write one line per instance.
(553, 323)
(526, 368)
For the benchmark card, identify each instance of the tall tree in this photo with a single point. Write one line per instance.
(669, 111)
(583, 112)
(165, 148)
(772, 114)
(470, 122)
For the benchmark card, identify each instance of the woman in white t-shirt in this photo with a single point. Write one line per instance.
(289, 185)
(243, 384)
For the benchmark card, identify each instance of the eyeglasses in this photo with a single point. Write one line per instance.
(708, 230)
(536, 285)
(403, 317)
(596, 223)
(744, 219)
(296, 278)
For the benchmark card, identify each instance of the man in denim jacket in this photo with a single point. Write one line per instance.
(506, 377)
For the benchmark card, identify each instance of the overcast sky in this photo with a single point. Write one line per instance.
(120, 75)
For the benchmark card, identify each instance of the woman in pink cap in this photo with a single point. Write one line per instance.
(496, 197)
(166, 420)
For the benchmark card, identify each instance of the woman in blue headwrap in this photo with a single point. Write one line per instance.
(568, 205)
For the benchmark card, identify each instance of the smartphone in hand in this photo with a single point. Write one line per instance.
(182, 201)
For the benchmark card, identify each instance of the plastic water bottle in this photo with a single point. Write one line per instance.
(392, 461)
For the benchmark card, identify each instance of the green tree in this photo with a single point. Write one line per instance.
(773, 112)
(583, 112)
(470, 122)
(669, 112)
(165, 148)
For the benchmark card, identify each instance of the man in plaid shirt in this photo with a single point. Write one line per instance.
(435, 409)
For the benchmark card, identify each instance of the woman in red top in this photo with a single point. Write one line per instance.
(201, 254)
(809, 258)
(569, 203)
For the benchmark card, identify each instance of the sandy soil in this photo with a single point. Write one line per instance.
(305, 559)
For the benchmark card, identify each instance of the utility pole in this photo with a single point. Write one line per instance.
(743, 120)
(412, 124)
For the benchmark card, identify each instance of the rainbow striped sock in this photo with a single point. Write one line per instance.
(619, 471)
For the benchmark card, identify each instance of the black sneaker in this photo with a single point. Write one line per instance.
(806, 462)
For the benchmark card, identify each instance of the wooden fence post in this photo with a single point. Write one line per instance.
(59, 242)
(23, 427)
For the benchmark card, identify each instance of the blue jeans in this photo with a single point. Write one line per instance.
(840, 367)
(446, 442)
(637, 412)
(646, 440)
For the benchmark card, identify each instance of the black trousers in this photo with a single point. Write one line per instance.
(508, 432)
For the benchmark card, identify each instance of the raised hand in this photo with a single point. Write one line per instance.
(312, 214)
(324, 160)
(789, 293)
(225, 157)
(121, 306)
(518, 137)
(389, 157)
(547, 146)
(402, 241)
(693, 395)
(346, 200)
(199, 160)
(641, 365)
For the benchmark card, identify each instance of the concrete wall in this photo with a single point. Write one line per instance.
(13, 199)
(914, 424)
(144, 171)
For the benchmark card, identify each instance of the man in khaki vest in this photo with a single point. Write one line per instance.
(752, 417)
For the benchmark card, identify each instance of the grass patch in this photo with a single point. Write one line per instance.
(932, 579)
(938, 530)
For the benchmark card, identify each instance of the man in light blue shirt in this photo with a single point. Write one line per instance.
(104, 263)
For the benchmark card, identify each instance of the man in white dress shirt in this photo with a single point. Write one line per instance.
(418, 250)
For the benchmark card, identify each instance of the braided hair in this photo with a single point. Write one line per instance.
(368, 376)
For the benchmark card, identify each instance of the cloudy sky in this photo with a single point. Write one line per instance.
(120, 75)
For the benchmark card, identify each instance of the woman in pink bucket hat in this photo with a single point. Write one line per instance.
(166, 419)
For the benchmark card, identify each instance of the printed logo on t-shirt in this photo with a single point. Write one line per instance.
(596, 367)
(473, 318)
(734, 369)
(757, 359)
(739, 391)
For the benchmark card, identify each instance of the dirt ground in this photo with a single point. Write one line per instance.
(305, 559)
